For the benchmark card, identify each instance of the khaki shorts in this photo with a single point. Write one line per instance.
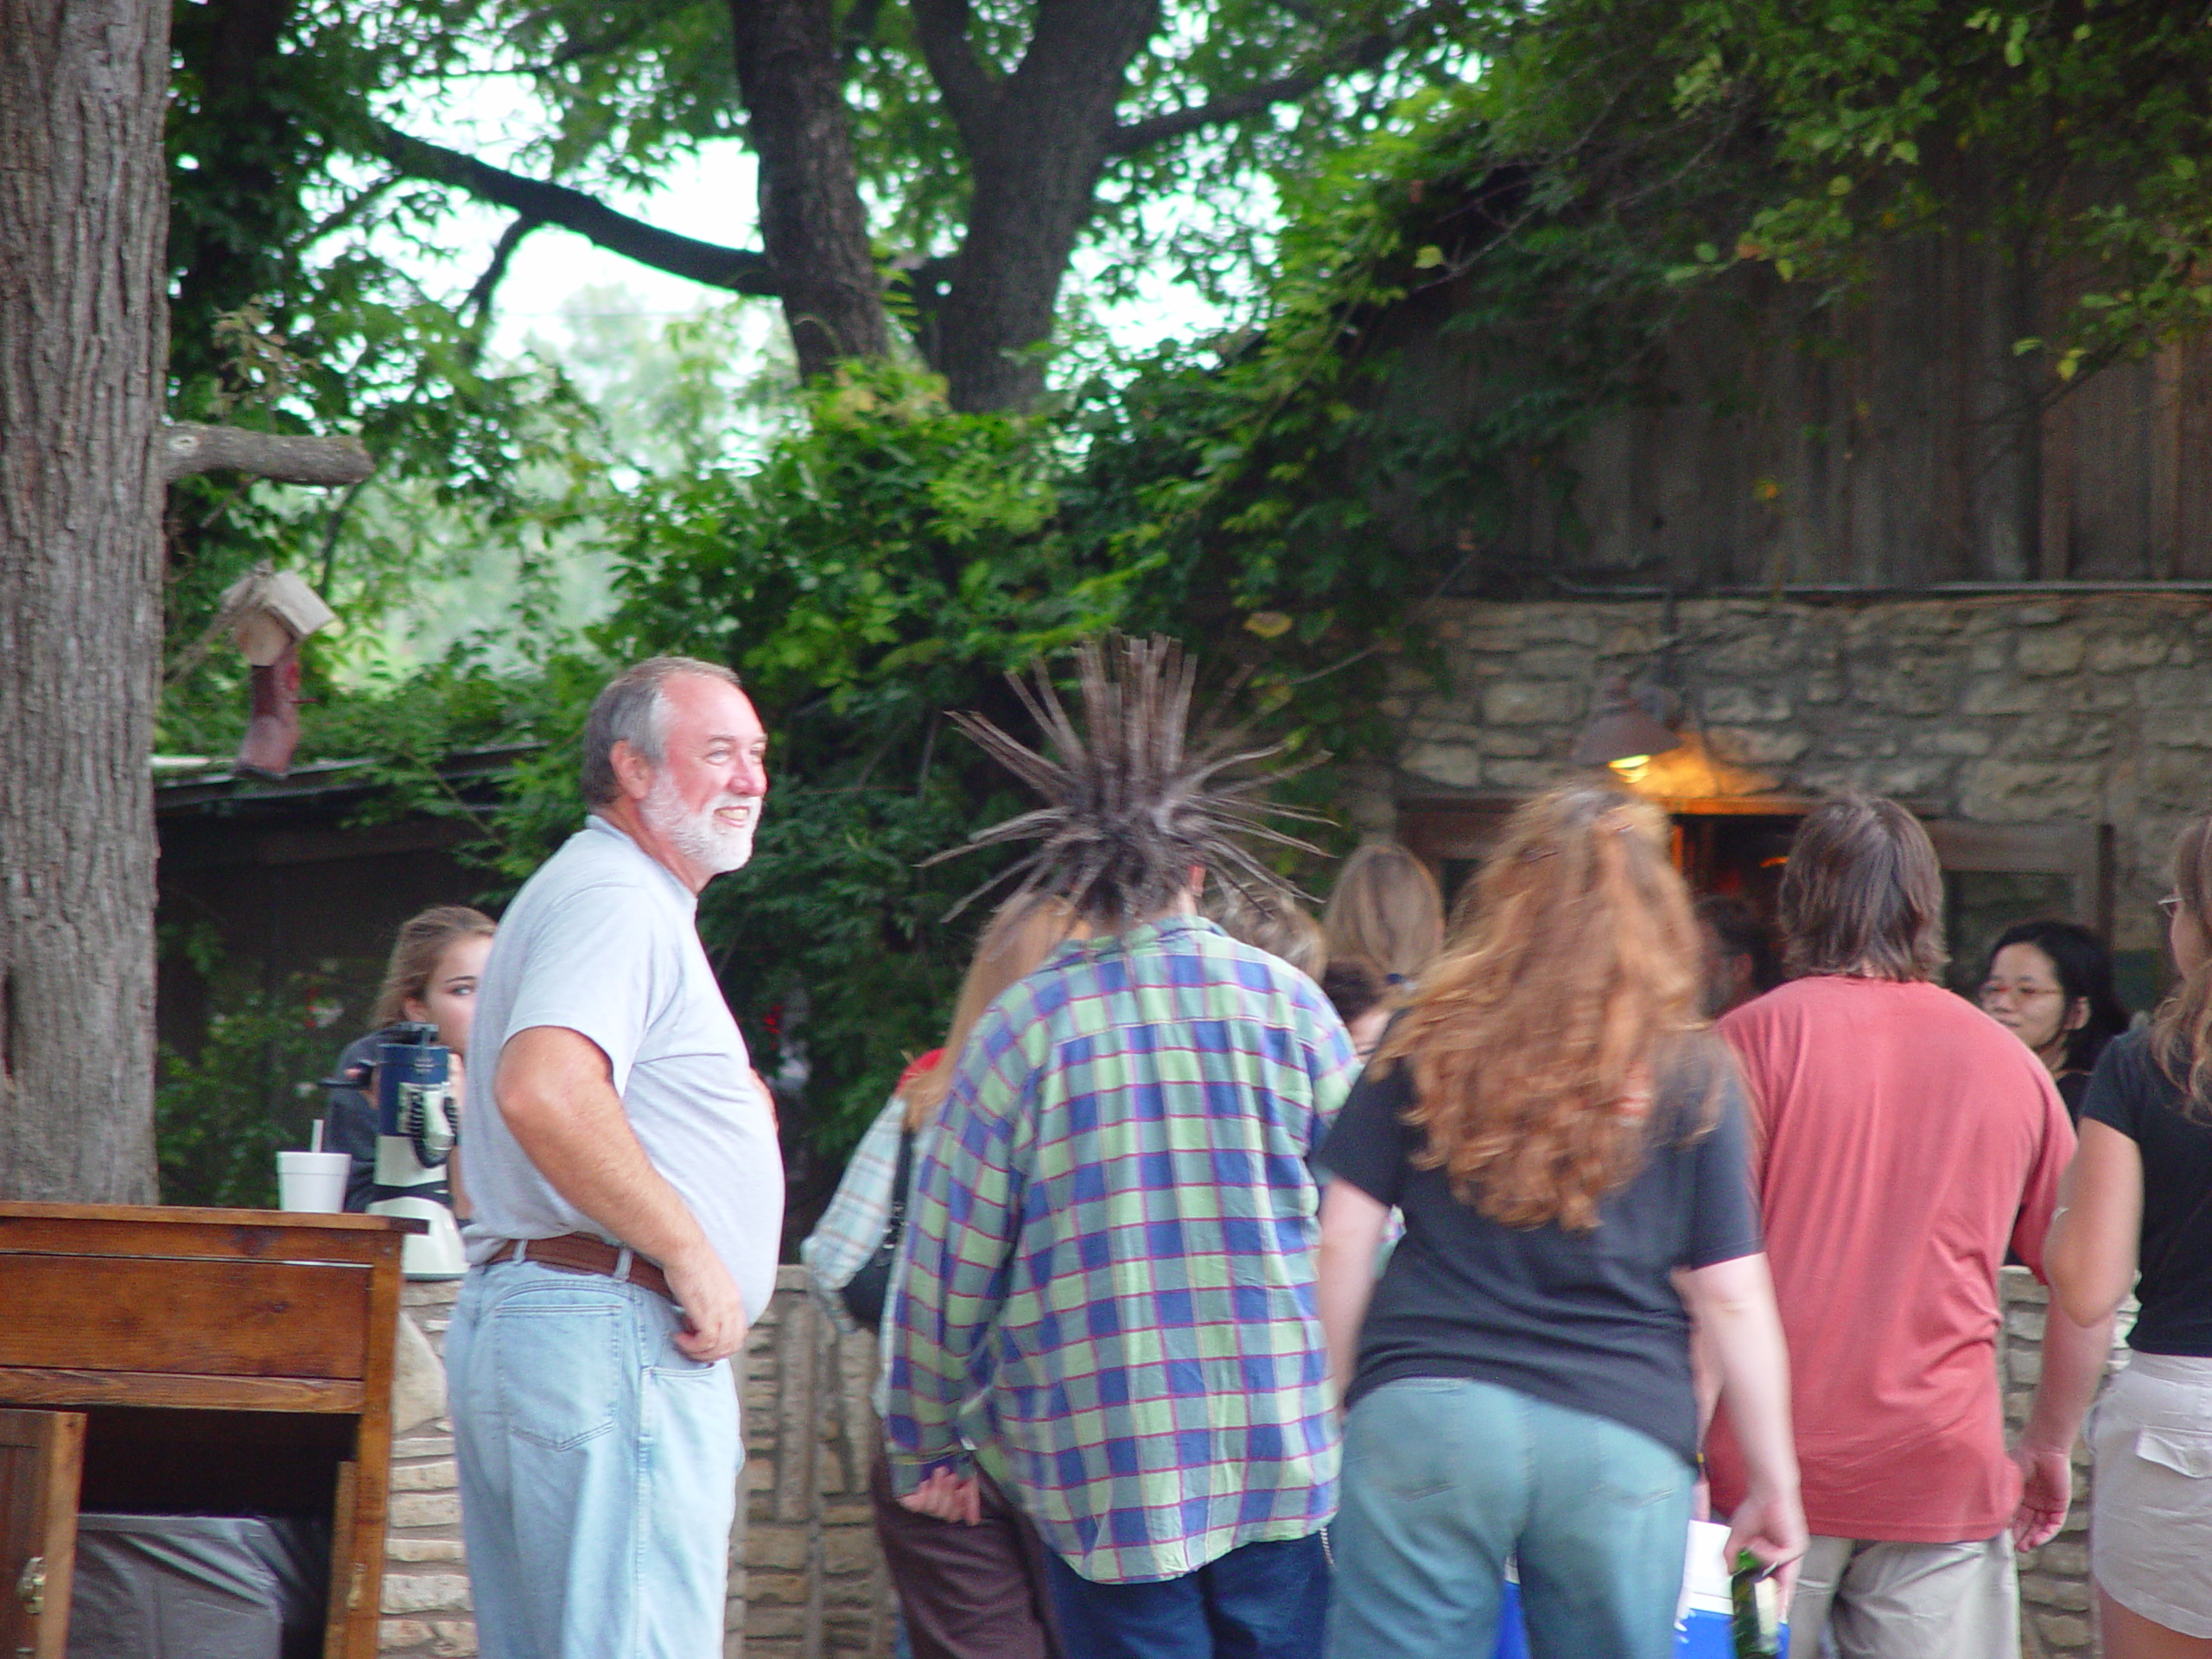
(1888, 1600)
(2150, 1510)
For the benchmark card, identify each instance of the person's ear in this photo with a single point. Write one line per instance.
(633, 773)
(1197, 880)
(2077, 1014)
(416, 1010)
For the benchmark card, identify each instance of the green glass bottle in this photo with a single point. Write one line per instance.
(1756, 1624)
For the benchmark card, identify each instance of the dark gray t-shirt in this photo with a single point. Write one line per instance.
(604, 942)
(1587, 1320)
(2131, 1092)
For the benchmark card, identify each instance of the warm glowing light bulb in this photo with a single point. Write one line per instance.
(1629, 763)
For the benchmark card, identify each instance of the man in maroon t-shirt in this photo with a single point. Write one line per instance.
(1902, 1141)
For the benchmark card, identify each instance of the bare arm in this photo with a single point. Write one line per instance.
(1352, 1232)
(556, 1095)
(1733, 1303)
(2074, 1357)
(2090, 1256)
(1705, 1363)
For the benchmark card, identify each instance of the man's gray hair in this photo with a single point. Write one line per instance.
(629, 709)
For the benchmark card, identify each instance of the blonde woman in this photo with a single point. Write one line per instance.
(1563, 1138)
(430, 980)
(1386, 909)
(975, 1590)
(2137, 1201)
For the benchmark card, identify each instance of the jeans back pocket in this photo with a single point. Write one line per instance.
(558, 1366)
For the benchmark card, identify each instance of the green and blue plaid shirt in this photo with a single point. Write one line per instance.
(1110, 1257)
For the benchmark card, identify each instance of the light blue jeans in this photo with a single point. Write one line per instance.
(598, 1469)
(1444, 1479)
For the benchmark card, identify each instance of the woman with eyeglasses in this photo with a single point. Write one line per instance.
(2050, 983)
(2136, 1210)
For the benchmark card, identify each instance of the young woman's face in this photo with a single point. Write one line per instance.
(2185, 938)
(2022, 994)
(448, 1002)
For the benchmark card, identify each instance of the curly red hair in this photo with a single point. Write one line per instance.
(1537, 1040)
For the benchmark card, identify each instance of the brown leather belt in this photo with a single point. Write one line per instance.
(582, 1252)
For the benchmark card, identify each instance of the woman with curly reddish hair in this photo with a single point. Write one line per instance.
(1569, 1148)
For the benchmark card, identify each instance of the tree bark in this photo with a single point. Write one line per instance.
(188, 447)
(83, 339)
(813, 226)
(1036, 141)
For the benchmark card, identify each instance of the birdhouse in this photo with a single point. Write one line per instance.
(271, 612)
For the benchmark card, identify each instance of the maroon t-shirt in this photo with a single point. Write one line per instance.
(1902, 1140)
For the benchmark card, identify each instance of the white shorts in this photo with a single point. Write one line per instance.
(2150, 1512)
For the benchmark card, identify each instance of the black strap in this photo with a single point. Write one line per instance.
(865, 1292)
(902, 1180)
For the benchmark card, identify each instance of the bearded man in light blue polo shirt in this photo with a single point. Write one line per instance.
(627, 1197)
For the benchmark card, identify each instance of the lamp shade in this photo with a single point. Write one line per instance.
(1620, 728)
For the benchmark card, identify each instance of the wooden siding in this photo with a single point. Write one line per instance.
(1897, 441)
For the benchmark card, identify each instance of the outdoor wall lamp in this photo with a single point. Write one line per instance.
(1624, 730)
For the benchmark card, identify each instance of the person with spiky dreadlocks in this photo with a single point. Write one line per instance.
(1108, 1297)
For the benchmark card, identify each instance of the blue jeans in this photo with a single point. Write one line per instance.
(1445, 1479)
(598, 1469)
(1259, 1601)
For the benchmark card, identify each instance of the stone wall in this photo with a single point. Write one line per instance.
(1996, 709)
(2056, 1597)
(806, 1579)
(426, 1607)
(811, 1584)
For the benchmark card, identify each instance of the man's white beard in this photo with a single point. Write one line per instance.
(703, 839)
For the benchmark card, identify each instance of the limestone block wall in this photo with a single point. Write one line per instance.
(806, 1579)
(2000, 709)
(426, 1605)
(810, 1583)
(2056, 1597)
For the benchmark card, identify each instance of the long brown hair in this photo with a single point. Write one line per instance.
(1862, 893)
(2181, 1031)
(1537, 1040)
(1020, 934)
(1386, 907)
(417, 953)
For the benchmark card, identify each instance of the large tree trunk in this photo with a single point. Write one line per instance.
(83, 333)
(812, 226)
(1035, 143)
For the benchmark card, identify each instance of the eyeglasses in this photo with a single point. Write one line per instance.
(1991, 990)
(2169, 907)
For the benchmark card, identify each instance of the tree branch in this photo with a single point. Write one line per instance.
(1234, 106)
(942, 26)
(737, 269)
(1366, 53)
(859, 30)
(188, 447)
(480, 297)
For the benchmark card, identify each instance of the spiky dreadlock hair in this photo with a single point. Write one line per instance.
(1136, 797)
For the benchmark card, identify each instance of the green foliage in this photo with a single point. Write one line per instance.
(222, 1114)
(888, 561)
(625, 97)
(290, 311)
(2078, 132)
